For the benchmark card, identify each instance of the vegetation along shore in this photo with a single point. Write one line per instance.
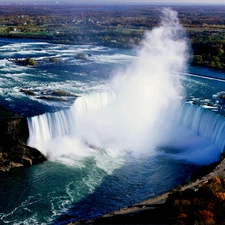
(118, 26)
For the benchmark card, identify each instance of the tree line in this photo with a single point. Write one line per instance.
(205, 205)
(116, 26)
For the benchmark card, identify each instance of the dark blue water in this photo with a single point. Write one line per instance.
(53, 192)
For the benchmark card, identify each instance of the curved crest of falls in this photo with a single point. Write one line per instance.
(204, 123)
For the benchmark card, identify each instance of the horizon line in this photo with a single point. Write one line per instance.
(108, 3)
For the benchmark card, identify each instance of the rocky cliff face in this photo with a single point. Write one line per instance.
(13, 136)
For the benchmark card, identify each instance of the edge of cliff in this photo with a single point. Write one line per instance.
(14, 133)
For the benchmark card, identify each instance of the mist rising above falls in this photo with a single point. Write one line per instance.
(144, 99)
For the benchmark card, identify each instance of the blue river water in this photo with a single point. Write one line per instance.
(55, 192)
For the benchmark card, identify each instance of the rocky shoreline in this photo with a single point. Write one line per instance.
(13, 149)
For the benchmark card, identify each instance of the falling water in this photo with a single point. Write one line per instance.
(204, 123)
(144, 98)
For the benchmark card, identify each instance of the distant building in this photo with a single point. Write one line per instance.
(15, 31)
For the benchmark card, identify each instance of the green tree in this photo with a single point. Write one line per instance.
(215, 62)
(219, 52)
(197, 59)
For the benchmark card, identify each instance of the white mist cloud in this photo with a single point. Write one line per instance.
(146, 96)
(148, 91)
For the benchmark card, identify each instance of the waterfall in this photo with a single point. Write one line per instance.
(80, 123)
(145, 98)
(43, 128)
(46, 127)
(204, 123)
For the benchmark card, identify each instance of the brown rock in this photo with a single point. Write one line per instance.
(13, 149)
(13, 164)
(26, 161)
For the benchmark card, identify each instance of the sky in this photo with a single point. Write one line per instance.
(120, 1)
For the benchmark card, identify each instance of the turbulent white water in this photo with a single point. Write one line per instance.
(144, 97)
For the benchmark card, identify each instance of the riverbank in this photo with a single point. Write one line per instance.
(148, 211)
(13, 149)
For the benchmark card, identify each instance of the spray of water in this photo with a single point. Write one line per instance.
(147, 92)
(133, 116)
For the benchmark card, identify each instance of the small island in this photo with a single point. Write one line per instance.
(50, 95)
(26, 62)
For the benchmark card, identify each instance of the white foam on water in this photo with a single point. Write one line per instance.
(115, 58)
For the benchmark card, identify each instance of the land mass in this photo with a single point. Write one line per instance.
(120, 26)
(13, 149)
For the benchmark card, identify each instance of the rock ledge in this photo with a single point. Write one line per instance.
(13, 137)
